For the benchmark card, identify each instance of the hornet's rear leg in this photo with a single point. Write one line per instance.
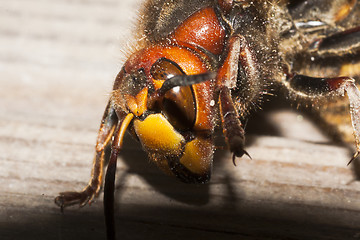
(319, 88)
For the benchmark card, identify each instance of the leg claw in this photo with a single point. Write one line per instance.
(71, 198)
(353, 158)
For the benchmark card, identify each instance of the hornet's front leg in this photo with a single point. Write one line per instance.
(239, 53)
(106, 132)
(232, 127)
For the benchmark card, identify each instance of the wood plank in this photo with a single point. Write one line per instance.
(58, 60)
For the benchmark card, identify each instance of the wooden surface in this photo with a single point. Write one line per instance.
(58, 60)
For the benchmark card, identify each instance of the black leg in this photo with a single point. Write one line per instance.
(319, 88)
(311, 87)
(347, 42)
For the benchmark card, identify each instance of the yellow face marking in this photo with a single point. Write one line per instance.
(198, 156)
(158, 136)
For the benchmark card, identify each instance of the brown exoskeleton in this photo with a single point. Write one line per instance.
(209, 62)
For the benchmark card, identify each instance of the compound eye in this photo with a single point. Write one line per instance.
(179, 107)
(178, 104)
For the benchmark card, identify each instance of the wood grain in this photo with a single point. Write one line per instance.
(58, 60)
